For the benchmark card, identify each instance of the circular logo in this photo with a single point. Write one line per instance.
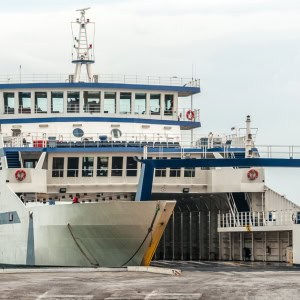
(78, 132)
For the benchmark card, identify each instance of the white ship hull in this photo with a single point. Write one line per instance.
(106, 234)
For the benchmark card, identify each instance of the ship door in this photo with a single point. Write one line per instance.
(30, 163)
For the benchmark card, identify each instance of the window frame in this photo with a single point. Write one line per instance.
(74, 172)
(131, 171)
(52, 102)
(6, 99)
(36, 100)
(102, 170)
(115, 170)
(89, 171)
(73, 107)
(56, 170)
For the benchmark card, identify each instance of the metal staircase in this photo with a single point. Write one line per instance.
(13, 160)
(238, 203)
(232, 207)
(241, 202)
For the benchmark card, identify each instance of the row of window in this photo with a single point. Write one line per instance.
(102, 169)
(91, 102)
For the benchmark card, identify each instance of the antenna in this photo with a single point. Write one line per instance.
(83, 9)
(83, 50)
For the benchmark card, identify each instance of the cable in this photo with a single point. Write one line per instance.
(149, 231)
(81, 250)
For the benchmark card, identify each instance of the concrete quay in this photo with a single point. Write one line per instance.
(198, 280)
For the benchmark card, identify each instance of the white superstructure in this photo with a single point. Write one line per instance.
(71, 138)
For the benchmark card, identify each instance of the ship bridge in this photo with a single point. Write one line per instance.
(114, 99)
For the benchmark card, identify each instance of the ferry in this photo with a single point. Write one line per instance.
(73, 155)
(68, 168)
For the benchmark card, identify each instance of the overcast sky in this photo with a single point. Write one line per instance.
(246, 53)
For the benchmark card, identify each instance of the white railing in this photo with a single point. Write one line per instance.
(256, 219)
(103, 78)
(24, 110)
(153, 112)
(150, 140)
(279, 151)
(158, 139)
(36, 139)
(39, 110)
(9, 110)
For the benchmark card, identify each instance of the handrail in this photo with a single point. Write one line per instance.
(233, 208)
(257, 219)
(151, 112)
(164, 139)
(103, 78)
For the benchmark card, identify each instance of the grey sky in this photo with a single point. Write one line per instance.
(247, 54)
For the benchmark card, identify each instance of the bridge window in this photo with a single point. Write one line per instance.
(109, 103)
(131, 167)
(117, 166)
(175, 172)
(155, 104)
(40, 102)
(161, 172)
(91, 102)
(9, 103)
(73, 166)
(125, 103)
(58, 167)
(189, 172)
(140, 103)
(24, 102)
(87, 166)
(102, 166)
(169, 105)
(57, 102)
(73, 102)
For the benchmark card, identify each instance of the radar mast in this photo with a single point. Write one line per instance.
(83, 50)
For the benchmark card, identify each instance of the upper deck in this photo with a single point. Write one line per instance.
(115, 97)
(183, 86)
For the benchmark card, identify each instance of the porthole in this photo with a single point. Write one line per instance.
(78, 132)
(116, 133)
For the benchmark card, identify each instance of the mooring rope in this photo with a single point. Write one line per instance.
(81, 250)
(149, 231)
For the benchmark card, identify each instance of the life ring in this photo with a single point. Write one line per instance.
(190, 115)
(20, 175)
(252, 174)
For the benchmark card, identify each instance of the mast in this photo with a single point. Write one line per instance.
(83, 51)
(248, 140)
